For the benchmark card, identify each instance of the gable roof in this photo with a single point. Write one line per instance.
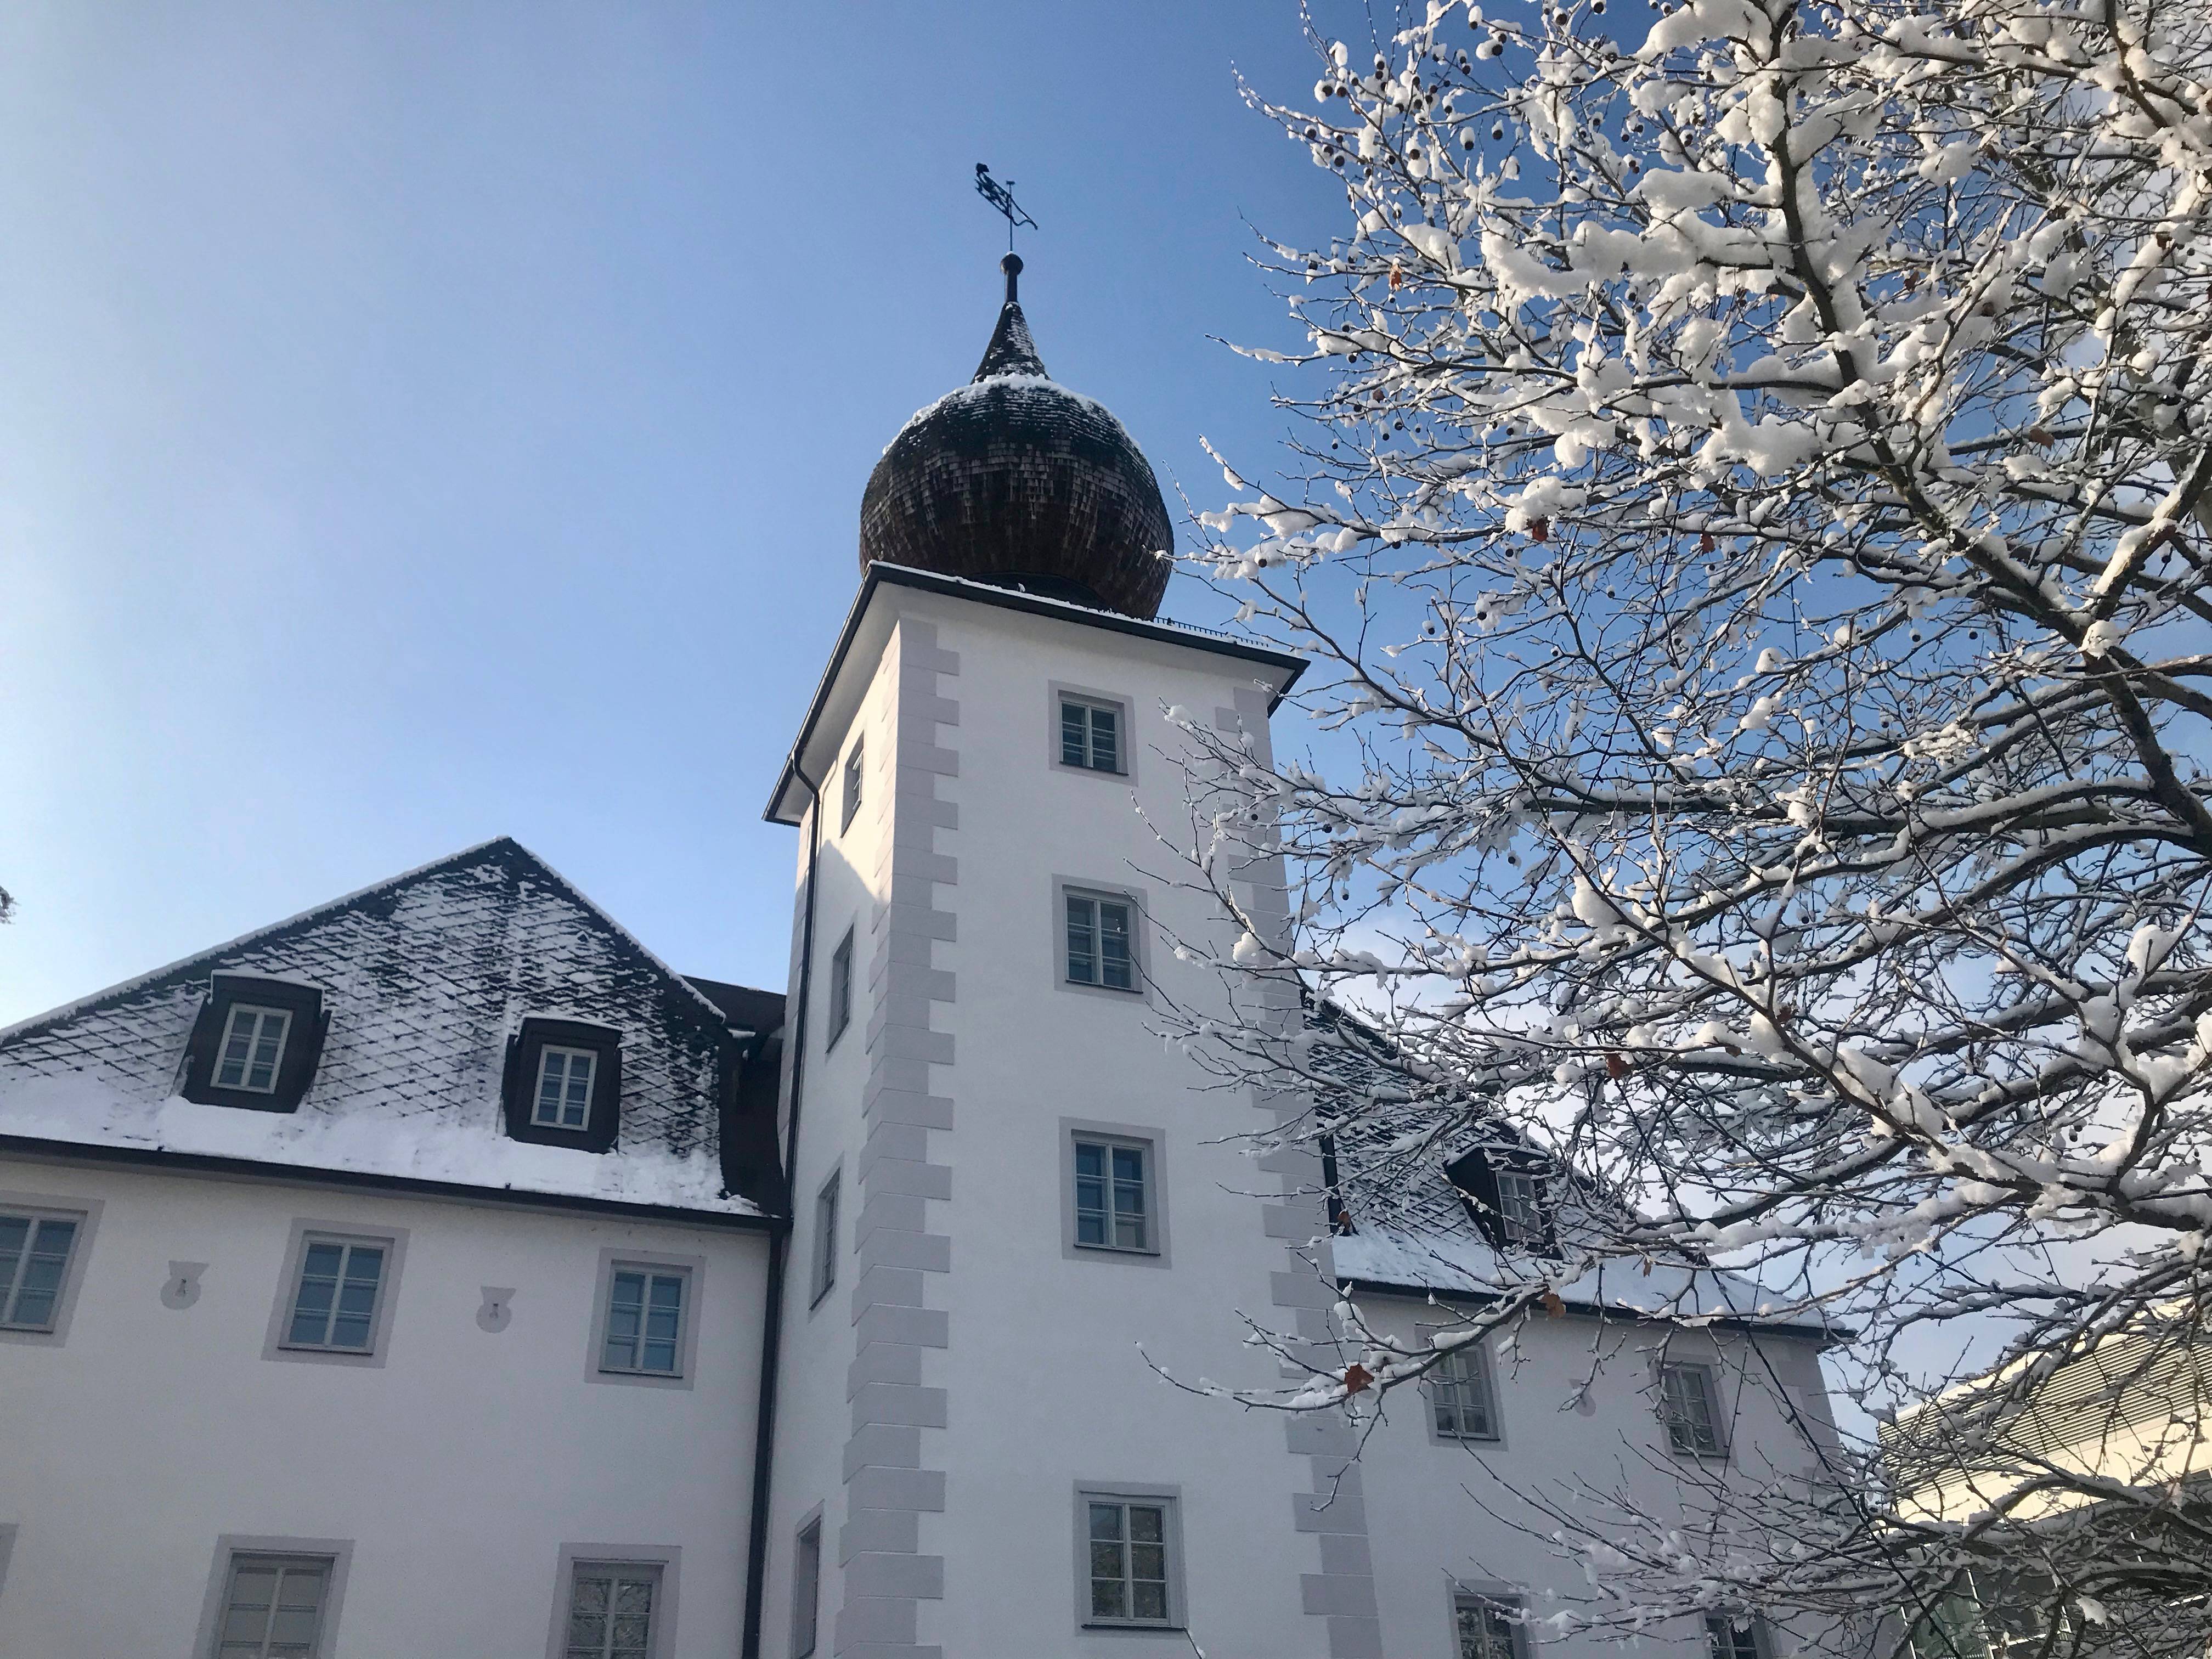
(425, 977)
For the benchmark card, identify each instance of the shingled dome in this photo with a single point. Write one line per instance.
(1016, 481)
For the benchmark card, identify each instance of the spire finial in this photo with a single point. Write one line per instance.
(1011, 264)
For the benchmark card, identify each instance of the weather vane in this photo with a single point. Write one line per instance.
(1001, 197)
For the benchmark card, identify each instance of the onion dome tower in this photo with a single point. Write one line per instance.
(1014, 480)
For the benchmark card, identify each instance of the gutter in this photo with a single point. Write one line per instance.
(794, 1027)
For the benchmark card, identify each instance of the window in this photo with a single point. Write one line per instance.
(1462, 1404)
(1111, 1208)
(840, 988)
(1129, 1560)
(1504, 1188)
(1098, 942)
(1486, 1626)
(1732, 1636)
(645, 1321)
(252, 1043)
(274, 1606)
(1689, 1405)
(1521, 1209)
(852, 803)
(826, 1237)
(564, 1088)
(613, 1607)
(336, 1295)
(1090, 734)
(806, 1590)
(34, 1260)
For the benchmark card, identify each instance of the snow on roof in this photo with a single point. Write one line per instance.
(424, 978)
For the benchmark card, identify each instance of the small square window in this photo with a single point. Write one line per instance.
(1090, 734)
(563, 1099)
(252, 1046)
(644, 1333)
(841, 986)
(853, 776)
(274, 1606)
(1129, 1550)
(1689, 1405)
(1098, 942)
(1486, 1626)
(1733, 1636)
(613, 1610)
(34, 1262)
(806, 1591)
(826, 1237)
(1113, 1200)
(336, 1295)
(1462, 1403)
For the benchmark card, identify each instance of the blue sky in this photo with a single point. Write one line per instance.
(429, 423)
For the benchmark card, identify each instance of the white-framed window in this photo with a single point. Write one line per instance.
(1689, 1405)
(841, 986)
(1130, 1555)
(34, 1262)
(252, 1046)
(336, 1294)
(1734, 1636)
(645, 1321)
(1098, 941)
(613, 1610)
(826, 1237)
(1462, 1398)
(1090, 733)
(563, 1098)
(806, 1591)
(1521, 1219)
(1487, 1626)
(274, 1606)
(1113, 1194)
(853, 777)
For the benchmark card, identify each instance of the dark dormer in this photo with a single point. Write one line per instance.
(564, 1085)
(254, 1043)
(1508, 1191)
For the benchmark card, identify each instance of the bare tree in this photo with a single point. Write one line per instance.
(1748, 500)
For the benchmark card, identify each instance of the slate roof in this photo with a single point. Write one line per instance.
(425, 977)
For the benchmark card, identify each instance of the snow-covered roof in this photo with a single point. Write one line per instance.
(424, 978)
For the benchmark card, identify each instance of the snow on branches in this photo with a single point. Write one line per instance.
(1751, 496)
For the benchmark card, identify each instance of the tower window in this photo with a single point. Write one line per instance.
(1129, 1558)
(1462, 1403)
(564, 1088)
(1733, 1636)
(851, 802)
(1689, 1405)
(1090, 734)
(1113, 1208)
(840, 988)
(806, 1591)
(253, 1043)
(826, 1237)
(1098, 942)
(1488, 1626)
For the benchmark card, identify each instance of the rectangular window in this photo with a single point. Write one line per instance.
(1113, 1210)
(273, 1607)
(852, 803)
(612, 1608)
(1090, 735)
(334, 1301)
(645, 1322)
(806, 1591)
(1689, 1405)
(1462, 1402)
(841, 986)
(1098, 942)
(34, 1258)
(253, 1043)
(1487, 1626)
(1732, 1636)
(1521, 1209)
(826, 1237)
(564, 1088)
(1129, 1560)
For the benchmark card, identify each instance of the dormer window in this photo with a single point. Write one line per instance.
(564, 1085)
(1505, 1189)
(255, 1043)
(564, 1088)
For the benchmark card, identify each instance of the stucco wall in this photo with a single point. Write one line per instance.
(458, 1468)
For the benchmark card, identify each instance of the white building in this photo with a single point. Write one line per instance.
(438, 1274)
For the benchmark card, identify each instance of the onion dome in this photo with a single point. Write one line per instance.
(1016, 481)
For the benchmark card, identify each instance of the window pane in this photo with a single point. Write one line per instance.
(1073, 750)
(262, 1073)
(625, 1321)
(238, 1047)
(1106, 1520)
(1114, 946)
(36, 1273)
(1105, 746)
(1109, 1598)
(575, 1104)
(1082, 940)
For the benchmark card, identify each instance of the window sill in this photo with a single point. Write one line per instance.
(1110, 990)
(1129, 1627)
(1089, 772)
(1146, 1255)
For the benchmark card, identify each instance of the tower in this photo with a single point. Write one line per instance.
(1004, 1181)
